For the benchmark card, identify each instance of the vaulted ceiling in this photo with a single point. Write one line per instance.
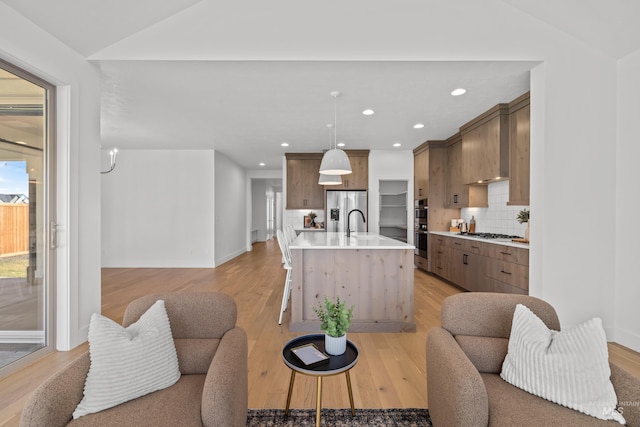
(193, 73)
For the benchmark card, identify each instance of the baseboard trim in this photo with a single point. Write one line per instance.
(229, 257)
(627, 338)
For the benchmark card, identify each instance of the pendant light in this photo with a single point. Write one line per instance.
(335, 161)
(330, 179)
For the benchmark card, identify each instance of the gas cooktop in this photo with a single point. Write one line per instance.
(490, 235)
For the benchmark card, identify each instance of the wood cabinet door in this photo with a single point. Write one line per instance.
(421, 175)
(303, 190)
(519, 140)
(358, 179)
(510, 273)
(457, 197)
(485, 147)
(440, 257)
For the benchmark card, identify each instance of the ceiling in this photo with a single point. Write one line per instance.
(163, 87)
(247, 109)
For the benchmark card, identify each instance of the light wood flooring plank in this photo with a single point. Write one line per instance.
(390, 372)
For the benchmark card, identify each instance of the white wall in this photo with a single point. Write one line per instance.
(626, 285)
(158, 209)
(389, 165)
(231, 209)
(573, 164)
(78, 158)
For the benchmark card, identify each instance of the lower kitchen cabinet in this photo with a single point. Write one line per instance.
(468, 270)
(440, 257)
(480, 266)
(508, 276)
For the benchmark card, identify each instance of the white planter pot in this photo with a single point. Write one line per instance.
(335, 346)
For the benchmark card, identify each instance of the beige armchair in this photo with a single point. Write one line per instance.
(212, 390)
(464, 361)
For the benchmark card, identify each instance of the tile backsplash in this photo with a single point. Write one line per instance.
(498, 217)
(295, 217)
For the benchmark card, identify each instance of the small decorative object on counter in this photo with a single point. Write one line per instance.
(335, 319)
(312, 216)
(472, 224)
(523, 216)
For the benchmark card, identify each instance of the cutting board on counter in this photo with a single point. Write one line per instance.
(520, 240)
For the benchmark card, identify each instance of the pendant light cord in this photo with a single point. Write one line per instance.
(335, 121)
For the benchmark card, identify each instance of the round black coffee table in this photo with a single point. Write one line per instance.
(335, 366)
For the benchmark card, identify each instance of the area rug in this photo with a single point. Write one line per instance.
(339, 418)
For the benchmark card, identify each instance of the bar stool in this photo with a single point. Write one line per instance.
(286, 257)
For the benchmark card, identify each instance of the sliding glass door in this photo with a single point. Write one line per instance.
(26, 204)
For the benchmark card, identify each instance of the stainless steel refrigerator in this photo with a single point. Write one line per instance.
(339, 204)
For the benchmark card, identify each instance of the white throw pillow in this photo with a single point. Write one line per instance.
(568, 367)
(127, 363)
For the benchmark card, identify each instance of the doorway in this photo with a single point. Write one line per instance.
(26, 203)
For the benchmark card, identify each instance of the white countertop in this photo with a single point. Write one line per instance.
(333, 240)
(505, 242)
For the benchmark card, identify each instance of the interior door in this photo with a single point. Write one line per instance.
(26, 206)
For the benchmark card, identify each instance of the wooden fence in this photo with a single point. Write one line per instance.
(14, 228)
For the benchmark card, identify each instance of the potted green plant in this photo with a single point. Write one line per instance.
(523, 217)
(312, 216)
(335, 319)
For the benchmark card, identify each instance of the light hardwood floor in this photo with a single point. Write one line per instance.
(390, 372)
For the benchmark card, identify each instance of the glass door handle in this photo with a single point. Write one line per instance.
(53, 235)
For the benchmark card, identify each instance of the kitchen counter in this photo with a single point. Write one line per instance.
(339, 240)
(373, 273)
(311, 230)
(504, 242)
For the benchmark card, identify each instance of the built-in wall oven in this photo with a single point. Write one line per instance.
(421, 237)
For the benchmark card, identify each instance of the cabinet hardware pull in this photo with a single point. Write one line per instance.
(464, 259)
(439, 268)
(475, 247)
(457, 243)
(505, 272)
(440, 252)
(505, 253)
(455, 198)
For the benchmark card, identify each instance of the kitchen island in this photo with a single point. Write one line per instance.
(373, 273)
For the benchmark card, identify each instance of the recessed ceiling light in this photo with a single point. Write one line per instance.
(341, 144)
(418, 126)
(368, 112)
(397, 144)
(458, 92)
(261, 164)
(284, 144)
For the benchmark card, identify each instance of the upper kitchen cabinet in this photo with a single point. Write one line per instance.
(421, 171)
(519, 137)
(358, 179)
(485, 146)
(459, 194)
(303, 190)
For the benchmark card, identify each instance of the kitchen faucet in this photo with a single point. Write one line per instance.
(349, 215)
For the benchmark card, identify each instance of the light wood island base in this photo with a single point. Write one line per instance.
(376, 280)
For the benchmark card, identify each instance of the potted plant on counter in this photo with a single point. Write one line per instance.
(335, 319)
(523, 216)
(313, 219)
